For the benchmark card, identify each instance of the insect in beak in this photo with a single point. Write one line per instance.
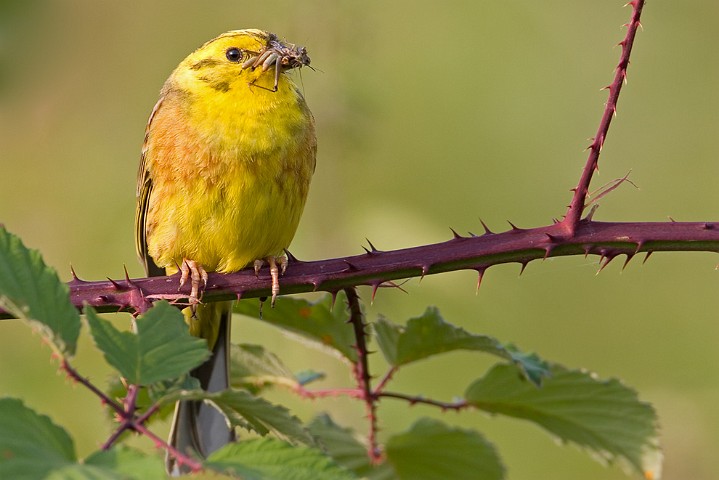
(281, 56)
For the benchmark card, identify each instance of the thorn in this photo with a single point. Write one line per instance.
(425, 269)
(457, 236)
(315, 285)
(291, 258)
(547, 251)
(75, 278)
(375, 286)
(487, 231)
(524, 265)
(629, 259)
(607, 258)
(372, 247)
(707, 226)
(350, 267)
(471, 234)
(127, 276)
(552, 238)
(587, 250)
(333, 299)
(514, 227)
(115, 285)
(671, 219)
(238, 296)
(640, 244)
(480, 275)
(649, 253)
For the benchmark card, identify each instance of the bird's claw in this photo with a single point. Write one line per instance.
(197, 275)
(278, 266)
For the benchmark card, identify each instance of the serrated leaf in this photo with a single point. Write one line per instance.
(387, 334)
(602, 416)
(253, 367)
(253, 413)
(32, 291)
(162, 349)
(31, 445)
(347, 449)
(430, 450)
(271, 459)
(119, 463)
(429, 334)
(316, 322)
(128, 463)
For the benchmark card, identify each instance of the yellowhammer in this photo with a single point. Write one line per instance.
(226, 164)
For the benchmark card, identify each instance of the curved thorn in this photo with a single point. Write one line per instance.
(456, 235)
(480, 275)
(487, 231)
(372, 247)
(649, 254)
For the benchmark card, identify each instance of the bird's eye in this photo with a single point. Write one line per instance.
(233, 54)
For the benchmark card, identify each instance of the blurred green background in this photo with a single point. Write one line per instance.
(429, 115)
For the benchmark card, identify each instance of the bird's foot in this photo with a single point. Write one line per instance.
(278, 266)
(197, 275)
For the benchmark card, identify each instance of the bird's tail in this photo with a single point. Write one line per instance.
(198, 428)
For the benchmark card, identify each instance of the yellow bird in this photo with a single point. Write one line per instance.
(226, 164)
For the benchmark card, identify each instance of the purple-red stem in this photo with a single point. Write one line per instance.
(361, 370)
(576, 207)
(413, 400)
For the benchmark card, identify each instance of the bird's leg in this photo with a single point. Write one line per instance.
(278, 266)
(197, 275)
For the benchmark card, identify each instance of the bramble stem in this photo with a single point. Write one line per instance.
(361, 371)
(413, 400)
(576, 207)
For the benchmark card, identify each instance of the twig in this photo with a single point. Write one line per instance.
(383, 382)
(181, 458)
(65, 365)
(576, 207)
(361, 370)
(458, 405)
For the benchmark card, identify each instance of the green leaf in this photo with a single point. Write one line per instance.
(317, 322)
(431, 450)
(271, 459)
(128, 463)
(32, 291)
(602, 416)
(253, 367)
(430, 334)
(387, 334)
(347, 449)
(119, 463)
(251, 413)
(31, 445)
(162, 349)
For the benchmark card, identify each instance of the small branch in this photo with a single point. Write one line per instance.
(115, 435)
(383, 383)
(182, 459)
(72, 373)
(413, 400)
(361, 370)
(329, 392)
(576, 207)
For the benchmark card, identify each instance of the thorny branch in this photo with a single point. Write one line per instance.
(576, 207)
(607, 240)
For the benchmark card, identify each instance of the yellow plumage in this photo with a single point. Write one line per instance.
(226, 165)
